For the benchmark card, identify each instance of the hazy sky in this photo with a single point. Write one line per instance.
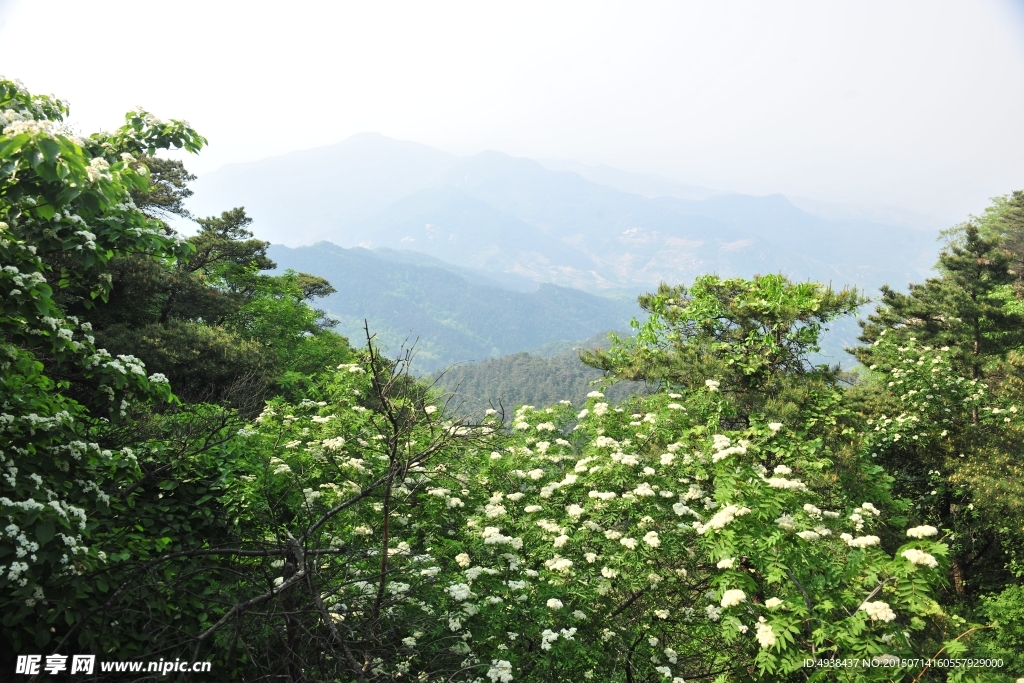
(915, 104)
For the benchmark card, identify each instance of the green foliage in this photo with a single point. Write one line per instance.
(1003, 220)
(67, 199)
(943, 390)
(212, 324)
(1006, 639)
(102, 471)
(528, 378)
(747, 515)
(750, 337)
(964, 309)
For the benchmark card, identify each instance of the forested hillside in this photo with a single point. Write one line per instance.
(200, 477)
(452, 315)
(545, 376)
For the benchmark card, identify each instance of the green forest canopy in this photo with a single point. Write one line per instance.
(196, 468)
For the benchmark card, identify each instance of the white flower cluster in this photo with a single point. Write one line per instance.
(280, 466)
(860, 541)
(492, 536)
(459, 592)
(352, 367)
(551, 487)
(721, 518)
(500, 671)
(783, 483)
(920, 557)
(765, 635)
(878, 611)
(23, 126)
(723, 448)
(732, 597)
(560, 565)
(922, 531)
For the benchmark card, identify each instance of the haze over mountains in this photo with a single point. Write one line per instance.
(614, 233)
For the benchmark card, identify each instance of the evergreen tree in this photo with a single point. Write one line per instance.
(964, 309)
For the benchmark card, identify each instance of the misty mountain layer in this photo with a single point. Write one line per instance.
(517, 217)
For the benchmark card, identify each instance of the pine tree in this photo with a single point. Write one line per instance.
(964, 309)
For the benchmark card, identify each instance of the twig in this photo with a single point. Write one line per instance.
(943, 649)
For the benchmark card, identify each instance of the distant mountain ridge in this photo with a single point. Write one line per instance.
(511, 216)
(452, 314)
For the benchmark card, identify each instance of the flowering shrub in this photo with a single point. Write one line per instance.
(658, 534)
(65, 211)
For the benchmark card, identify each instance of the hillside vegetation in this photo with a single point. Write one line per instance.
(450, 317)
(280, 505)
(537, 378)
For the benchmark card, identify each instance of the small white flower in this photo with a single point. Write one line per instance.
(462, 559)
(430, 410)
(727, 563)
(554, 603)
(772, 603)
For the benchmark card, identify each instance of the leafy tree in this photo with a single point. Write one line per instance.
(64, 200)
(943, 380)
(167, 191)
(211, 323)
(103, 473)
(749, 337)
